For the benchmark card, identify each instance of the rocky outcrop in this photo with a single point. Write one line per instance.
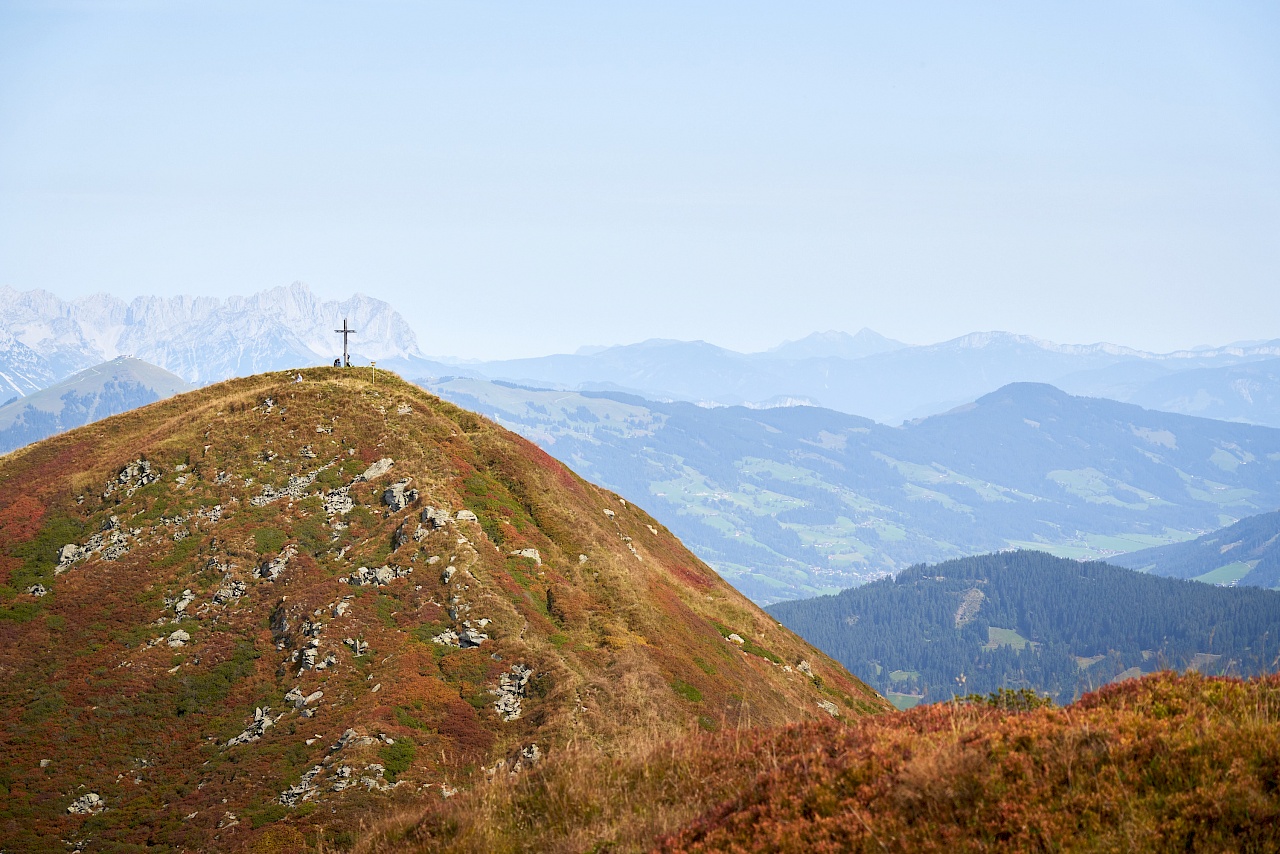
(262, 721)
(398, 495)
(377, 470)
(434, 517)
(511, 692)
(231, 590)
(531, 554)
(379, 577)
(271, 569)
(89, 804)
(133, 477)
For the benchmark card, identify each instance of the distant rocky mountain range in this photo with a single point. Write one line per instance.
(89, 395)
(44, 339)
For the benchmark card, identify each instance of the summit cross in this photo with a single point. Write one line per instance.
(346, 359)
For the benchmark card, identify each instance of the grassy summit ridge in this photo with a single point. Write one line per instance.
(258, 610)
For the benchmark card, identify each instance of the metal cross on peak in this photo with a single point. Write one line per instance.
(346, 358)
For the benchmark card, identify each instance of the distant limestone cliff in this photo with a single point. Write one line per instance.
(202, 339)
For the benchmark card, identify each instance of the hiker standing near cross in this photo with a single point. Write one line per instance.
(346, 358)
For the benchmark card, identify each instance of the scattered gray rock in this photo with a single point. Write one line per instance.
(401, 536)
(212, 515)
(271, 569)
(447, 638)
(90, 804)
(342, 778)
(804, 668)
(337, 502)
(307, 452)
(531, 755)
(466, 516)
(231, 590)
(302, 790)
(299, 701)
(179, 604)
(37, 590)
(470, 637)
(829, 707)
(373, 778)
(379, 577)
(609, 513)
(358, 647)
(342, 606)
(434, 517)
(133, 477)
(69, 554)
(352, 738)
(736, 638)
(262, 721)
(448, 574)
(532, 554)
(378, 469)
(398, 496)
(179, 638)
(296, 489)
(511, 692)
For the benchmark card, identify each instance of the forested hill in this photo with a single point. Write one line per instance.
(1027, 619)
(1246, 554)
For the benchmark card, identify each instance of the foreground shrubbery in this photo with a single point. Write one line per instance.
(1164, 763)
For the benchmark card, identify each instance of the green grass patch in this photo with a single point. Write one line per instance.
(398, 758)
(997, 637)
(1227, 574)
(407, 716)
(902, 702)
(687, 691)
(204, 692)
(269, 541)
(266, 815)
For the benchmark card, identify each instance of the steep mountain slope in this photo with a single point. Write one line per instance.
(273, 601)
(797, 501)
(1246, 553)
(202, 339)
(116, 386)
(1029, 620)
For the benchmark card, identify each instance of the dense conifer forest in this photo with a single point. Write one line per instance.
(1027, 619)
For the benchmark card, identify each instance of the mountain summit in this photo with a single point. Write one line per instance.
(278, 601)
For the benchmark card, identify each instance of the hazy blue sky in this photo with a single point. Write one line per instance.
(523, 178)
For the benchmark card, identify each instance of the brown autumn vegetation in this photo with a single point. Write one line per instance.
(625, 630)
(1165, 763)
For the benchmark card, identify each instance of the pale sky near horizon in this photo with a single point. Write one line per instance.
(519, 179)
